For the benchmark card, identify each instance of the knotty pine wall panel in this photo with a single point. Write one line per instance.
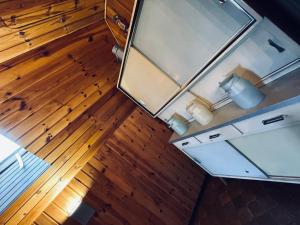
(35, 23)
(60, 103)
(135, 178)
(13, 6)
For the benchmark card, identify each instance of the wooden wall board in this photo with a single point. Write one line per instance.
(42, 22)
(13, 6)
(124, 10)
(127, 187)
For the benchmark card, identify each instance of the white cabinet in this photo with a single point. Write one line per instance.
(272, 153)
(172, 41)
(220, 134)
(262, 52)
(221, 159)
(146, 83)
(275, 119)
(277, 152)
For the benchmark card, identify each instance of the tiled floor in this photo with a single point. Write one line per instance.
(244, 202)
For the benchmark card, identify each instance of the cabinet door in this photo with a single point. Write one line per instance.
(221, 159)
(182, 36)
(148, 85)
(277, 152)
(264, 51)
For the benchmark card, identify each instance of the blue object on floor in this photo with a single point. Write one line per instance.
(14, 180)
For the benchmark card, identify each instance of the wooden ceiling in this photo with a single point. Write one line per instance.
(58, 99)
(27, 24)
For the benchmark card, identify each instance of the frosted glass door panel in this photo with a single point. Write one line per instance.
(181, 36)
(276, 152)
(146, 83)
(221, 159)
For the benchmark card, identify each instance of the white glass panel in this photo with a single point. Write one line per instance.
(276, 152)
(181, 36)
(146, 83)
(222, 159)
(7, 147)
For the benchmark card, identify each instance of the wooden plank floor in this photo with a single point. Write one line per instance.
(60, 102)
(135, 178)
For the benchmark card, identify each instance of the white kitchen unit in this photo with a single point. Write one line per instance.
(266, 143)
(180, 38)
(221, 159)
(276, 152)
(180, 50)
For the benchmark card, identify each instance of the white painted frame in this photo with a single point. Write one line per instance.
(241, 4)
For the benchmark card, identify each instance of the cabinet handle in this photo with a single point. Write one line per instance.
(273, 120)
(185, 143)
(214, 136)
(275, 45)
(197, 160)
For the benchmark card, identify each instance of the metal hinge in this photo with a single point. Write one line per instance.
(121, 22)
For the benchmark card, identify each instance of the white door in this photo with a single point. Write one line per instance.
(221, 159)
(148, 85)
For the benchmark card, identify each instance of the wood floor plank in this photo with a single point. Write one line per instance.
(56, 213)
(44, 219)
(60, 179)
